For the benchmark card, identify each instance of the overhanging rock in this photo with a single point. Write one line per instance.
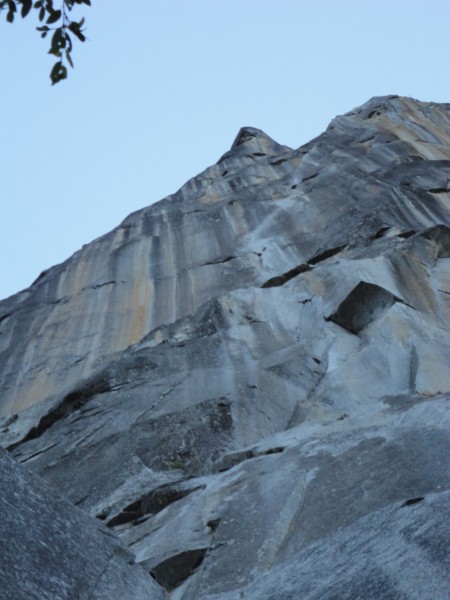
(365, 303)
(247, 383)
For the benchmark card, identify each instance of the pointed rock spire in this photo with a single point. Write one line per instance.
(253, 141)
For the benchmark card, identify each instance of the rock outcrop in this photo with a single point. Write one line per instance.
(50, 549)
(248, 382)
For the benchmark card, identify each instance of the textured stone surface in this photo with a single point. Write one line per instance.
(248, 382)
(52, 550)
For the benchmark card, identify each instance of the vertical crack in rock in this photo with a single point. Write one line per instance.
(413, 368)
(150, 365)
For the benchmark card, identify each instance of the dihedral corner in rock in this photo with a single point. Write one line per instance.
(247, 383)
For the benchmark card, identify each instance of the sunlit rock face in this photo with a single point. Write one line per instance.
(248, 382)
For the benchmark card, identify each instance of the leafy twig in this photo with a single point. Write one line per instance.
(57, 21)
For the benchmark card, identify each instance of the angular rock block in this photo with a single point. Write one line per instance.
(246, 383)
(365, 303)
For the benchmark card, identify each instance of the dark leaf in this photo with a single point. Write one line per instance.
(26, 7)
(42, 14)
(75, 29)
(69, 58)
(58, 73)
(43, 28)
(55, 16)
(11, 10)
(38, 4)
(58, 40)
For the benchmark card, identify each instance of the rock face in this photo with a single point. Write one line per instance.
(52, 550)
(249, 382)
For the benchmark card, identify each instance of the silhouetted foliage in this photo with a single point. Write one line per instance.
(56, 24)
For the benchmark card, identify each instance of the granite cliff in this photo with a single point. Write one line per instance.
(244, 389)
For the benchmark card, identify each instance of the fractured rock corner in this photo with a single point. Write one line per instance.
(242, 391)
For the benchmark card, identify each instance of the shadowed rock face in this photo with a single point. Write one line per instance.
(248, 382)
(52, 550)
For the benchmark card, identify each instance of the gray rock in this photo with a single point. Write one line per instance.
(248, 382)
(50, 549)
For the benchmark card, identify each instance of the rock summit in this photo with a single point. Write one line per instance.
(243, 391)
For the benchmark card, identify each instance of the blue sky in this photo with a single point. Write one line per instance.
(162, 87)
